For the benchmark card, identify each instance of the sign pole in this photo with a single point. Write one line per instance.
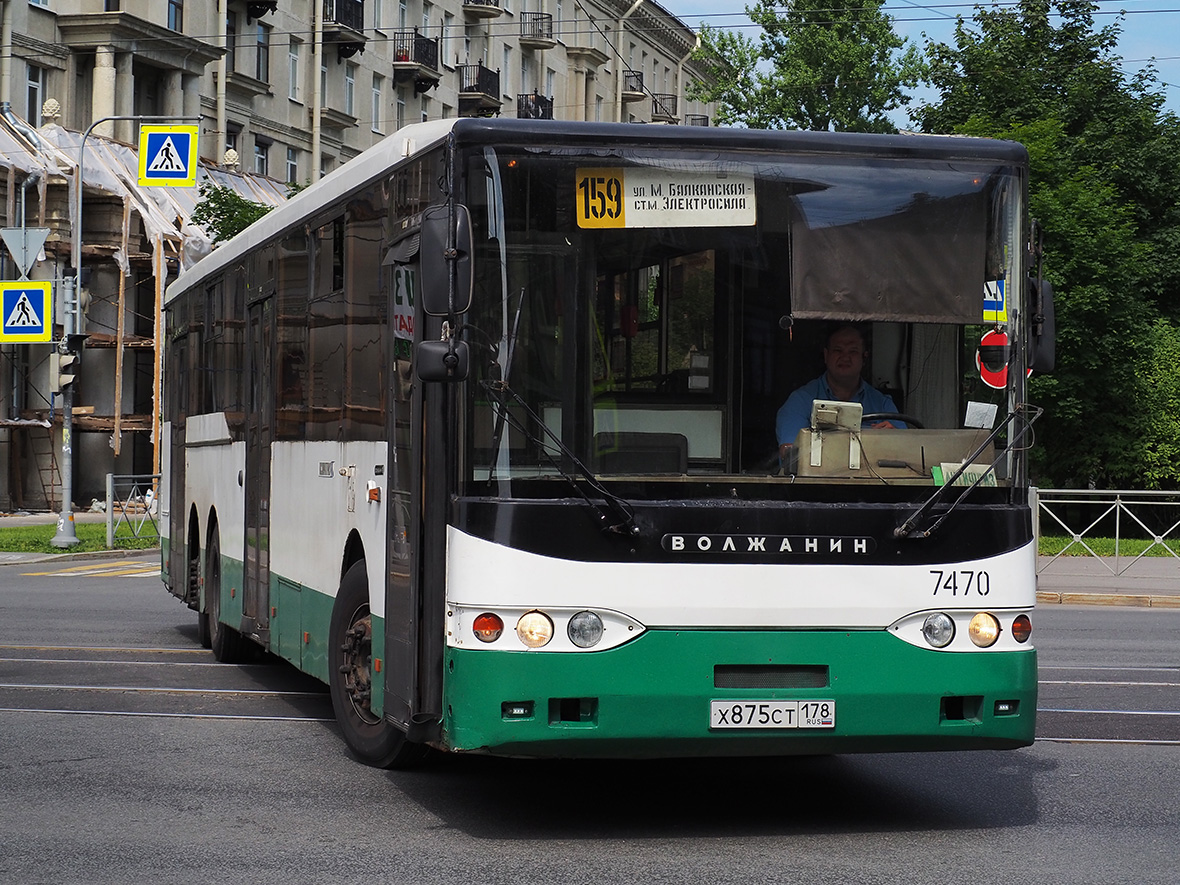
(66, 535)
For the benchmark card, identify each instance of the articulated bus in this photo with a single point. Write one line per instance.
(480, 430)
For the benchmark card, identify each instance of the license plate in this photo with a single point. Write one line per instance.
(772, 714)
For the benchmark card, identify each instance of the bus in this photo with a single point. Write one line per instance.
(480, 430)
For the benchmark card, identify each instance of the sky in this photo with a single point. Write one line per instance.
(1150, 29)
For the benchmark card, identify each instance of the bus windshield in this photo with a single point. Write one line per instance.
(646, 312)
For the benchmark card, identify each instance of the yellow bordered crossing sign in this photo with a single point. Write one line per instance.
(26, 312)
(168, 155)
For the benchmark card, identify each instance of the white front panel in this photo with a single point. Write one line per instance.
(483, 574)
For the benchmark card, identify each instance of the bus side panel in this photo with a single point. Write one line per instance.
(319, 496)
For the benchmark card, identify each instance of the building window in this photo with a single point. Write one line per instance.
(425, 108)
(323, 81)
(176, 15)
(401, 108)
(378, 104)
(292, 166)
(36, 95)
(378, 16)
(427, 12)
(262, 61)
(401, 15)
(293, 69)
(231, 42)
(444, 45)
(506, 77)
(261, 157)
(350, 90)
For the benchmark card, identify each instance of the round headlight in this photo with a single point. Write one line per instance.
(534, 629)
(939, 629)
(585, 629)
(487, 627)
(1021, 628)
(984, 629)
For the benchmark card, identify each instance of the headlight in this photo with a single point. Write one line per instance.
(984, 629)
(939, 629)
(585, 629)
(534, 629)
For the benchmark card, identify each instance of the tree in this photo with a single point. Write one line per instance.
(1105, 185)
(820, 65)
(223, 212)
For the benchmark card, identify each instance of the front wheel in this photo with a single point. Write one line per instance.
(350, 670)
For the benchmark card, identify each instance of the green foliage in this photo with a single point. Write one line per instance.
(1105, 185)
(222, 212)
(829, 65)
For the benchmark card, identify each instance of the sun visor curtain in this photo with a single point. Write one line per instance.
(924, 262)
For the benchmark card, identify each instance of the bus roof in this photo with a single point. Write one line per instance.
(418, 137)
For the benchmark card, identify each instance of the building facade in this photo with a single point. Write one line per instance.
(285, 91)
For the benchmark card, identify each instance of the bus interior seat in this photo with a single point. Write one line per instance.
(632, 452)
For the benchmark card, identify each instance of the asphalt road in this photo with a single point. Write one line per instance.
(126, 754)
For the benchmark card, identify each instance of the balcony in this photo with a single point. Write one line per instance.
(663, 107)
(536, 30)
(344, 27)
(479, 91)
(633, 86)
(531, 106)
(696, 120)
(482, 8)
(415, 60)
(256, 9)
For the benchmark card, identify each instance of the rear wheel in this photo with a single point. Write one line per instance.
(194, 582)
(228, 645)
(350, 667)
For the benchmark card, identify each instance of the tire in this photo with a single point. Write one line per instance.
(227, 644)
(372, 740)
(194, 577)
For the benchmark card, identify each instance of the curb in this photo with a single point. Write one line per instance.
(1123, 599)
(10, 558)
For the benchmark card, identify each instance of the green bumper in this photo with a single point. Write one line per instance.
(652, 696)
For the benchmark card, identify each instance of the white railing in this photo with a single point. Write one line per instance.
(131, 505)
(1083, 515)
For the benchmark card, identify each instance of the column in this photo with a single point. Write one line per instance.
(102, 99)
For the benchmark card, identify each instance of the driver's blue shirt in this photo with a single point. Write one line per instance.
(795, 413)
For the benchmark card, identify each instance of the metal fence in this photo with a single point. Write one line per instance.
(132, 507)
(1083, 515)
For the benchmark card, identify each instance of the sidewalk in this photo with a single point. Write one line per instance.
(1086, 580)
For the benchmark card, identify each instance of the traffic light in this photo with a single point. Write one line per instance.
(62, 368)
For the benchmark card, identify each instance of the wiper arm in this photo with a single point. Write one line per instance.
(908, 529)
(615, 505)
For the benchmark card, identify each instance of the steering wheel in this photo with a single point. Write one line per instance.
(893, 416)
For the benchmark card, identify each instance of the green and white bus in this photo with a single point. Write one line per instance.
(480, 430)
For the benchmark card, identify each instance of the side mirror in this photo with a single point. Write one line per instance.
(437, 361)
(441, 251)
(1043, 327)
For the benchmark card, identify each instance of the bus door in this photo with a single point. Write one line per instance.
(259, 423)
(183, 559)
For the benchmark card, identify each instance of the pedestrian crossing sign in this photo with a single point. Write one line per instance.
(168, 155)
(26, 311)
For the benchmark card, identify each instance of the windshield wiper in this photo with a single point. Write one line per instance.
(623, 516)
(909, 529)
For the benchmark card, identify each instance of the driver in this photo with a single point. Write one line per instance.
(844, 359)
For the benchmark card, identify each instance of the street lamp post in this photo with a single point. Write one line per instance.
(71, 328)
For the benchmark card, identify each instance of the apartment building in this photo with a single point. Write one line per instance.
(285, 91)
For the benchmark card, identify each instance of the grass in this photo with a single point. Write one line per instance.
(1051, 546)
(92, 537)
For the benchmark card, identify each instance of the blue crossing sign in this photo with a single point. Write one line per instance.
(168, 155)
(26, 311)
